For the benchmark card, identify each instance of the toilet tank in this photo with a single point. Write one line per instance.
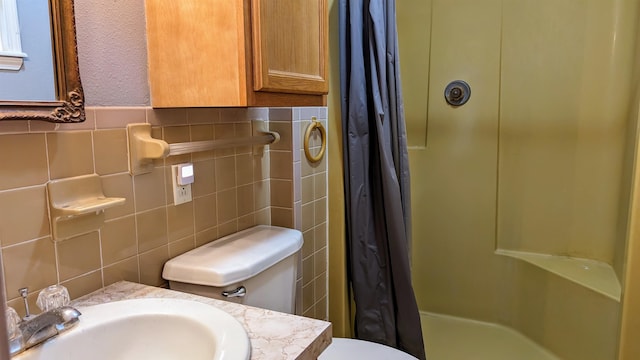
(260, 261)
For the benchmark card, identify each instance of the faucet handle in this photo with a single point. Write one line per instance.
(53, 297)
(13, 322)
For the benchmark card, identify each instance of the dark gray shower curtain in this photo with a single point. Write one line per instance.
(376, 177)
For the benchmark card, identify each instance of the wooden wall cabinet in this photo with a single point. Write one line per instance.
(209, 53)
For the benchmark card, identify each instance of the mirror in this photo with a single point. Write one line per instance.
(69, 106)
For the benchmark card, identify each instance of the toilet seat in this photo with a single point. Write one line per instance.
(358, 349)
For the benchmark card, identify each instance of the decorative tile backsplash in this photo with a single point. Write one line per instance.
(234, 189)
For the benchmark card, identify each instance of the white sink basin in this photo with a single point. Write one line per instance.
(148, 329)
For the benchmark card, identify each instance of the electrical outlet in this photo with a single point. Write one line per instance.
(181, 193)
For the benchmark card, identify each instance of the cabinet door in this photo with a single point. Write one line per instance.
(290, 46)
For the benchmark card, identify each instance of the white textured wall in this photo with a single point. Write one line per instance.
(112, 51)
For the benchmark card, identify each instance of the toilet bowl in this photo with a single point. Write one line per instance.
(258, 267)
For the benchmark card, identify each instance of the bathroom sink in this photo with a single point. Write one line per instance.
(148, 329)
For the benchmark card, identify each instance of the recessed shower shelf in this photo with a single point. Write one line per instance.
(595, 275)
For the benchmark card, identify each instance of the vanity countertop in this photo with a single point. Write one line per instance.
(273, 335)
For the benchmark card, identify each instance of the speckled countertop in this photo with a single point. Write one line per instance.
(273, 335)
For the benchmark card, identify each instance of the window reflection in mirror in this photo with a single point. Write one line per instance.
(35, 79)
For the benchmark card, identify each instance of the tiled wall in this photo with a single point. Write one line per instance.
(314, 208)
(299, 200)
(232, 191)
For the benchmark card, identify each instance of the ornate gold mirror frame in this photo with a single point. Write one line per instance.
(69, 107)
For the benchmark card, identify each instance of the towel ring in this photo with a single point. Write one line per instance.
(315, 124)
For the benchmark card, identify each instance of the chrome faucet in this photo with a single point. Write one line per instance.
(34, 330)
(47, 325)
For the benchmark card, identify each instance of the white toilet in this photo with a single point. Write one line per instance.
(257, 267)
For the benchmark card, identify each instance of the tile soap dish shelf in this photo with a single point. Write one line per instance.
(77, 205)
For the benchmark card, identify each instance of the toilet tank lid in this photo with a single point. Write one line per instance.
(235, 257)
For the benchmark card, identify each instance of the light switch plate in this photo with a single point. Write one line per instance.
(181, 193)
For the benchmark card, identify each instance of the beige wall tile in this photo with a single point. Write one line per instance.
(24, 215)
(165, 117)
(282, 217)
(18, 304)
(284, 129)
(244, 169)
(297, 141)
(224, 131)
(110, 150)
(243, 130)
(206, 236)
(232, 192)
(118, 239)
(181, 246)
(27, 163)
(45, 126)
(70, 154)
(150, 190)
(119, 185)
(261, 166)
(227, 205)
(299, 297)
(177, 134)
(321, 309)
(306, 165)
(297, 182)
(118, 117)
(31, 264)
(307, 189)
(8, 127)
(307, 296)
(320, 211)
(281, 114)
(308, 244)
(320, 185)
(320, 289)
(202, 133)
(247, 221)
(310, 312)
(297, 215)
(320, 166)
(307, 270)
(307, 112)
(84, 284)
(78, 255)
(281, 165)
(225, 173)
(156, 133)
(204, 178)
(151, 264)
(124, 270)
(245, 200)
(152, 229)
(281, 193)
(203, 115)
(320, 236)
(205, 212)
(263, 217)
(88, 124)
(180, 221)
(227, 228)
(308, 216)
(262, 193)
(320, 262)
